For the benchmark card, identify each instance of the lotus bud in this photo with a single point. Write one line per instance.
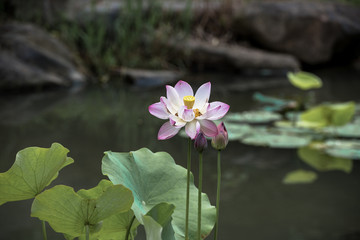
(221, 140)
(200, 142)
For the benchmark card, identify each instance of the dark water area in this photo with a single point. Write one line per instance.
(255, 205)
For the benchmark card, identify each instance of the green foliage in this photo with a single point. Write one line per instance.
(322, 161)
(300, 177)
(69, 212)
(157, 222)
(154, 178)
(304, 80)
(327, 115)
(33, 170)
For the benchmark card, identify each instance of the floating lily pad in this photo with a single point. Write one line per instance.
(343, 148)
(68, 212)
(237, 131)
(276, 140)
(300, 177)
(33, 170)
(304, 80)
(253, 117)
(322, 161)
(274, 104)
(351, 130)
(155, 178)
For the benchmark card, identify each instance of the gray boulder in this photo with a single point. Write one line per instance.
(32, 58)
(314, 32)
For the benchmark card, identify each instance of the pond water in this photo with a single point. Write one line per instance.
(255, 205)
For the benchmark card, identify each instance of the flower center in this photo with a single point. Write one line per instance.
(189, 101)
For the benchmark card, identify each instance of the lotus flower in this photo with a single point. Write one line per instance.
(183, 109)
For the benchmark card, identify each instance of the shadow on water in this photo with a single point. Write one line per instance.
(255, 204)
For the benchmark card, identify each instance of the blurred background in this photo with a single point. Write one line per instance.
(83, 73)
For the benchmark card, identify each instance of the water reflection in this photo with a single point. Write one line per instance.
(255, 204)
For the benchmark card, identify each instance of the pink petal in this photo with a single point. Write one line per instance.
(185, 114)
(167, 131)
(217, 110)
(192, 128)
(173, 97)
(202, 95)
(208, 127)
(210, 112)
(159, 110)
(168, 105)
(183, 89)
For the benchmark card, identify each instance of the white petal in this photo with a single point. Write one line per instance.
(173, 97)
(202, 95)
(192, 128)
(168, 105)
(176, 121)
(184, 89)
(185, 114)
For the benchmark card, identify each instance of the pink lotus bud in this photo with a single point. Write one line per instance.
(221, 140)
(200, 142)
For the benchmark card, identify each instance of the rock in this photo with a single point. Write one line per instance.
(32, 58)
(224, 56)
(149, 78)
(314, 32)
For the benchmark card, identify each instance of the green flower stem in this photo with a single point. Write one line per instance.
(188, 191)
(44, 230)
(87, 232)
(199, 194)
(218, 194)
(129, 228)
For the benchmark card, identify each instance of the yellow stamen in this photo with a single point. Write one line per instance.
(189, 101)
(197, 113)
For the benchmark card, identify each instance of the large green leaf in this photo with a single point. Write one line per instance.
(157, 222)
(327, 115)
(155, 178)
(115, 227)
(349, 149)
(322, 161)
(300, 177)
(69, 212)
(33, 170)
(342, 113)
(304, 80)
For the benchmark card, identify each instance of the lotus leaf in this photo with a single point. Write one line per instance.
(69, 212)
(155, 178)
(350, 130)
(276, 140)
(300, 177)
(157, 222)
(33, 170)
(253, 117)
(327, 115)
(304, 80)
(349, 149)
